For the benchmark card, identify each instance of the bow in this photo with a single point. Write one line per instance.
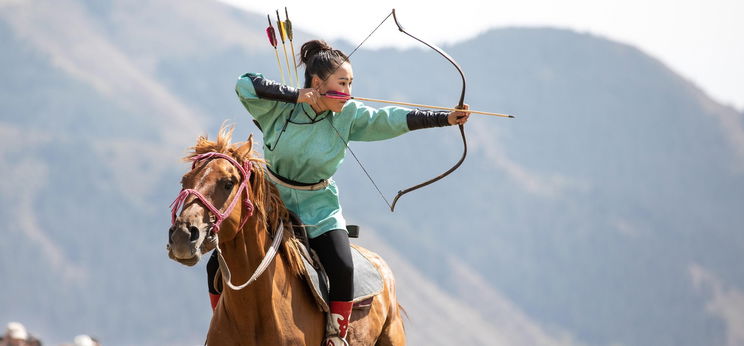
(460, 105)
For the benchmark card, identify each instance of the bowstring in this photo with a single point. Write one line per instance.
(360, 163)
(357, 47)
(339, 133)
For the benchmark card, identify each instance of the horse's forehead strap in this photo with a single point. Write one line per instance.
(244, 169)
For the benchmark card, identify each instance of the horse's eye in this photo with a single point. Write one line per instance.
(229, 185)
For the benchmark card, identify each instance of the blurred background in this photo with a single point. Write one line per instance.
(609, 212)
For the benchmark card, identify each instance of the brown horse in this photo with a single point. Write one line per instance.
(277, 308)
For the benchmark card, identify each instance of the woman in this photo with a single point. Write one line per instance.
(305, 135)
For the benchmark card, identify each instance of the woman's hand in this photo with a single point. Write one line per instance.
(310, 96)
(459, 118)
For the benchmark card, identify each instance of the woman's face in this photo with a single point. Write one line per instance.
(339, 81)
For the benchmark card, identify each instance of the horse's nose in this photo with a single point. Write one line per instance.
(194, 233)
(192, 230)
(182, 240)
(170, 234)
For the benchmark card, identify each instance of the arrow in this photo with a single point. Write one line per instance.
(344, 96)
(288, 27)
(283, 35)
(271, 33)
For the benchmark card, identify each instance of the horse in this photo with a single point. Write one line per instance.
(274, 306)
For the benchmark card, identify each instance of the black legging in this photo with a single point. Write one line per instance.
(334, 252)
(212, 267)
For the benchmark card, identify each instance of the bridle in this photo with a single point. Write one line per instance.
(245, 171)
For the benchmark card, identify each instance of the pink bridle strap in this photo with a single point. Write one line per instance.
(245, 171)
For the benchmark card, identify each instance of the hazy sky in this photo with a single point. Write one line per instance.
(703, 40)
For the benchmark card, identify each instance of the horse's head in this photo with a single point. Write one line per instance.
(215, 197)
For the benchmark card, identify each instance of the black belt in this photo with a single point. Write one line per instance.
(290, 181)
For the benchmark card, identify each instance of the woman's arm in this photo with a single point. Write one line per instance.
(372, 124)
(421, 119)
(263, 98)
(255, 86)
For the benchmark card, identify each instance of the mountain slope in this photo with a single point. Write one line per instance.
(96, 138)
(607, 212)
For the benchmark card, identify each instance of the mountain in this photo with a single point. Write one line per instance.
(607, 212)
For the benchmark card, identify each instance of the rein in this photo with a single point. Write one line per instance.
(265, 262)
(245, 171)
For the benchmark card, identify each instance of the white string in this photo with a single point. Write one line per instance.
(268, 258)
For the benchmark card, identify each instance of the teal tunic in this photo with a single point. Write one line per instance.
(310, 149)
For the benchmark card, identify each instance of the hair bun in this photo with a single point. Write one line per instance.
(320, 59)
(312, 48)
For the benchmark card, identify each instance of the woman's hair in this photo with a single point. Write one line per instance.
(320, 59)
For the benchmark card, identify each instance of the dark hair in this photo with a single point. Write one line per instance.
(320, 59)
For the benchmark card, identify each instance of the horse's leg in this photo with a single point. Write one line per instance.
(222, 331)
(385, 306)
(393, 333)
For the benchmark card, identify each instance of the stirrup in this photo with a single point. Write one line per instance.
(346, 343)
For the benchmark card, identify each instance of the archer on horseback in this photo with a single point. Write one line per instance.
(305, 135)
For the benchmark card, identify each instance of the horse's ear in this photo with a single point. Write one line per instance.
(246, 147)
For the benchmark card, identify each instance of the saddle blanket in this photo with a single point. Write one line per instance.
(367, 281)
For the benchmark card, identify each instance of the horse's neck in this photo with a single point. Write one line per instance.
(276, 309)
(248, 249)
(245, 251)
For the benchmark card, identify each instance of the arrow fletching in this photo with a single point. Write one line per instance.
(336, 95)
(280, 26)
(271, 33)
(287, 24)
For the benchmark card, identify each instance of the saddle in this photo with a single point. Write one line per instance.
(367, 279)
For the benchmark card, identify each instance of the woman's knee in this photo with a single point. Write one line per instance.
(346, 265)
(334, 251)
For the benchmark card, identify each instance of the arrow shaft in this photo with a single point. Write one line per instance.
(271, 33)
(431, 107)
(279, 62)
(286, 58)
(297, 78)
(290, 35)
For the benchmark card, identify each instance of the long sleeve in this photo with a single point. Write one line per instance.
(264, 99)
(371, 124)
(421, 119)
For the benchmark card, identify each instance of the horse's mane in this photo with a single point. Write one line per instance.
(268, 206)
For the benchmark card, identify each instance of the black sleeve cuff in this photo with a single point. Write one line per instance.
(271, 90)
(421, 119)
